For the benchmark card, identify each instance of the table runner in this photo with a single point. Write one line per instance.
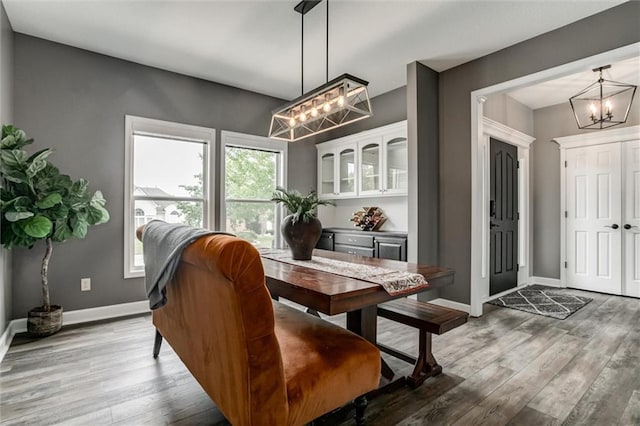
(394, 282)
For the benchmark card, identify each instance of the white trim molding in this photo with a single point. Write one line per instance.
(477, 155)
(480, 247)
(551, 282)
(452, 304)
(76, 317)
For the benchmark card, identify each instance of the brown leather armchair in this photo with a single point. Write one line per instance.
(261, 362)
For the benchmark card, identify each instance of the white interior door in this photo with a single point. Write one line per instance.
(594, 245)
(631, 222)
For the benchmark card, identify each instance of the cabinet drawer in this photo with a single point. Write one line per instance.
(326, 241)
(360, 251)
(354, 240)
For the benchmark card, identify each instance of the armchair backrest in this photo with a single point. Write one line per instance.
(219, 320)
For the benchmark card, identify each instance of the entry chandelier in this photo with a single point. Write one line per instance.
(340, 101)
(603, 104)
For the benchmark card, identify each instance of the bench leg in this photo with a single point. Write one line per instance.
(426, 365)
(360, 404)
(156, 344)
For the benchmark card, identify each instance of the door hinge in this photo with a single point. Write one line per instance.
(566, 214)
(517, 267)
(518, 215)
(565, 164)
(565, 265)
(517, 164)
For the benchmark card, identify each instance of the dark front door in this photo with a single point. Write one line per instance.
(503, 207)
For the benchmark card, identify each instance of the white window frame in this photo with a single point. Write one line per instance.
(164, 129)
(242, 140)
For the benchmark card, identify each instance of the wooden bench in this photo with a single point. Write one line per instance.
(428, 319)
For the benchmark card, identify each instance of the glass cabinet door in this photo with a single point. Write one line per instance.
(396, 165)
(347, 171)
(370, 167)
(327, 173)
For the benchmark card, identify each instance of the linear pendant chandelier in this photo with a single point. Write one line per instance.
(336, 103)
(602, 104)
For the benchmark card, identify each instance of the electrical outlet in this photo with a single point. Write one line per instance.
(85, 284)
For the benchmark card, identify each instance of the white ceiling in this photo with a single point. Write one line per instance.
(255, 45)
(560, 90)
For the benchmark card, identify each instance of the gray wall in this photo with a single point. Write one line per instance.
(387, 108)
(548, 50)
(506, 110)
(6, 117)
(549, 123)
(75, 101)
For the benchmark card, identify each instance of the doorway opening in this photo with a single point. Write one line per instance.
(480, 218)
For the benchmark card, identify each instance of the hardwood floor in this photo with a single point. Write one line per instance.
(505, 368)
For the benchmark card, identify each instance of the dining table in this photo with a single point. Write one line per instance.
(333, 294)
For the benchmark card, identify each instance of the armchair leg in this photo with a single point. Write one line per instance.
(156, 344)
(360, 404)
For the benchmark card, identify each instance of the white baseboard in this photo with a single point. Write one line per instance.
(551, 282)
(451, 304)
(76, 317)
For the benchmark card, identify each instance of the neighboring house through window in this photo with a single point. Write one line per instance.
(167, 177)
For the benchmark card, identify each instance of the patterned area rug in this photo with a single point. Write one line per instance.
(542, 300)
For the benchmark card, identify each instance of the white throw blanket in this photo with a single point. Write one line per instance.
(162, 247)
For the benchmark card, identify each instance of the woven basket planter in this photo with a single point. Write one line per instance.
(44, 323)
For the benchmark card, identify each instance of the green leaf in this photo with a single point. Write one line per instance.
(59, 211)
(37, 226)
(79, 226)
(62, 231)
(79, 187)
(98, 199)
(12, 158)
(97, 214)
(14, 216)
(49, 201)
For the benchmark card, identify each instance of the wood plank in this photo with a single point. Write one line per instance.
(609, 394)
(528, 417)
(565, 390)
(631, 415)
(455, 403)
(507, 401)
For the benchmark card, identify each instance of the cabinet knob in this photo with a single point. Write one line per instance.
(614, 226)
(627, 226)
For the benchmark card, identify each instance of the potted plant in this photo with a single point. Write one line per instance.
(40, 203)
(301, 229)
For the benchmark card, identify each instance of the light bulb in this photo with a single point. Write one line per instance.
(608, 106)
(593, 109)
(314, 108)
(341, 101)
(303, 116)
(326, 107)
(292, 121)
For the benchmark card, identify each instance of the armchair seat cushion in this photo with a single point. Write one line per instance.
(324, 365)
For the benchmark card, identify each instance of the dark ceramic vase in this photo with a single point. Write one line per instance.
(300, 236)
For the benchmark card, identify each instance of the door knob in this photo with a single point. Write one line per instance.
(627, 226)
(614, 226)
(493, 225)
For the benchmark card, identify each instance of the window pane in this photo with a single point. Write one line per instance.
(186, 212)
(167, 167)
(249, 173)
(252, 221)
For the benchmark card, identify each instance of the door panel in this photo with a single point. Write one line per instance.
(631, 219)
(593, 211)
(503, 217)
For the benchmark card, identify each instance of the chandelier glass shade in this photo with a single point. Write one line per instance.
(602, 104)
(340, 101)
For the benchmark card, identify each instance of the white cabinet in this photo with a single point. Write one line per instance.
(337, 176)
(366, 164)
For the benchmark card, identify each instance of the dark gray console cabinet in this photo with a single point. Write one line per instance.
(371, 244)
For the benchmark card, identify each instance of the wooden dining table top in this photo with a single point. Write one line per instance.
(333, 294)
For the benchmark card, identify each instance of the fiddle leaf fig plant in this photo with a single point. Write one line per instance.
(40, 203)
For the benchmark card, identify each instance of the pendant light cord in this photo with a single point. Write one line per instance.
(302, 54)
(326, 76)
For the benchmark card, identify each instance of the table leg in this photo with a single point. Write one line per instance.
(364, 322)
